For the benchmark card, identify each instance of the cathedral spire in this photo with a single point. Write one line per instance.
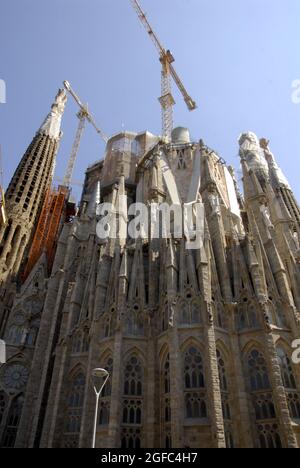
(28, 188)
(280, 183)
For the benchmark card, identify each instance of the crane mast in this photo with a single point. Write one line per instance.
(168, 72)
(83, 116)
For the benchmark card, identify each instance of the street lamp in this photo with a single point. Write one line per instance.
(99, 379)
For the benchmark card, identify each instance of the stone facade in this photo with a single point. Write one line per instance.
(197, 342)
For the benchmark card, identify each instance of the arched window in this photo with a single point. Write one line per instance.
(131, 438)
(76, 343)
(193, 369)
(85, 341)
(104, 411)
(80, 342)
(3, 403)
(259, 379)
(165, 401)
(132, 407)
(277, 314)
(17, 334)
(269, 437)
(166, 376)
(247, 316)
(133, 377)
(134, 322)
(12, 422)
(107, 328)
(195, 395)
(289, 383)
(262, 398)
(31, 336)
(109, 367)
(286, 370)
(224, 387)
(189, 312)
(74, 410)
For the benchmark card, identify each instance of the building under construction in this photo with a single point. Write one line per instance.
(197, 342)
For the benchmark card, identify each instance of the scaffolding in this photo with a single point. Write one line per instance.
(48, 228)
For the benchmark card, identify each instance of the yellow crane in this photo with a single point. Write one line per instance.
(166, 58)
(83, 116)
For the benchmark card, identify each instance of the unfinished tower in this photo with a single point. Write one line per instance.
(27, 190)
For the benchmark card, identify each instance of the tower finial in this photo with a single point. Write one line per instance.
(52, 123)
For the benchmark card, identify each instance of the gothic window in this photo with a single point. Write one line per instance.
(104, 411)
(3, 403)
(80, 342)
(259, 379)
(229, 438)
(17, 334)
(12, 423)
(195, 395)
(107, 328)
(133, 377)
(74, 410)
(286, 370)
(76, 343)
(166, 402)
(219, 318)
(166, 376)
(85, 341)
(289, 383)
(195, 406)
(189, 312)
(131, 438)
(247, 316)
(277, 314)
(264, 406)
(132, 406)
(107, 389)
(15, 376)
(262, 399)
(224, 387)
(132, 412)
(193, 369)
(31, 336)
(269, 437)
(134, 322)
(294, 404)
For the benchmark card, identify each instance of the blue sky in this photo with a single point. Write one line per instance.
(237, 58)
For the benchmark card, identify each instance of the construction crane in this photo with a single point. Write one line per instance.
(3, 217)
(166, 58)
(83, 116)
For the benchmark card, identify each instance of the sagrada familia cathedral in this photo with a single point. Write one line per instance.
(197, 342)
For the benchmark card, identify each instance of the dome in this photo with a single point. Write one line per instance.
(181, 135)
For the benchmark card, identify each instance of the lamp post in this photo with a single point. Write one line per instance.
(99, 379)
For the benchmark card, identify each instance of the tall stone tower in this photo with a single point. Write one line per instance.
(27, 190)
(195, 328)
